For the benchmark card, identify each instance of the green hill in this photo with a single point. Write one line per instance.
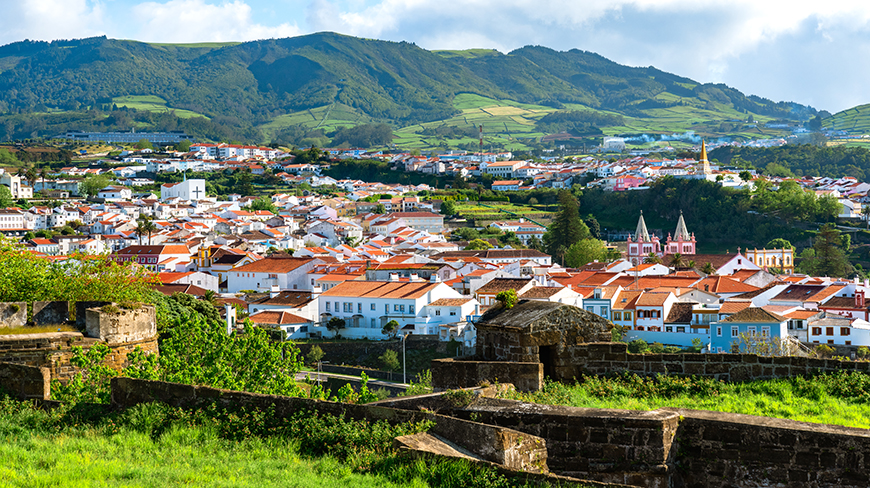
(309, 86)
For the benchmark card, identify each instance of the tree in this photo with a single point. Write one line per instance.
(708, 268)
(315, 354)
(594, 227)
(677, 261)
(183, 146)
(652, 258)
(380, 209)
(585, 251)
(5, 196)
(144, 225)
(390, 361)
(264, 203)
(144, 144)
(390, 329)
(508, 298)
(566, 228)
(828, 256)
(745, 175)
(448, 207)
(334, 325)
(779, 243)
(478, 245)
(92, 185)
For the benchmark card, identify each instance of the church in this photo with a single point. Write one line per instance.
(643, 243)
(187, 190)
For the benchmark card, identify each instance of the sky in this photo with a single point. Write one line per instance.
(808, 52)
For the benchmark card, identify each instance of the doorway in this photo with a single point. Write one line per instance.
(547, 357)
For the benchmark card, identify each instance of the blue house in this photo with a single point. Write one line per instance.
(752, 321)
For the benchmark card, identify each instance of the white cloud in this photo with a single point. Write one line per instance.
(50, 19)
(199, 21)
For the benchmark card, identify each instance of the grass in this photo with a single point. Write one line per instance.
(156, 445)
(37, 329)
(837, 399)
(152, 103)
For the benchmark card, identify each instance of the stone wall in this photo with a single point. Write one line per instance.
(673, 447)
(121, 326)
(495, 444)
(25, 382)
(13, 314)
(122, 332)
(464, 373)
(717, 450)
(356, 352)
(613, 357)
(50, 313)
(81, 312)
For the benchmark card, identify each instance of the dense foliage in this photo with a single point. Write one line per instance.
(801, 159)
(26, 277)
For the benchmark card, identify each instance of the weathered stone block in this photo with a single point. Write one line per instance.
(13, 314)
(121, 325)
(50, 313)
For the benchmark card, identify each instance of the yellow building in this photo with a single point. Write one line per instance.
(772, 258)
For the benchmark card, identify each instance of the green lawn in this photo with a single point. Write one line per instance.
(838, 399)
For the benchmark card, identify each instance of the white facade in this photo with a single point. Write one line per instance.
(185, 190)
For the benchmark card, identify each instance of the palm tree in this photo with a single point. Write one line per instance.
(652, 258)
(677, 260)
(708, 269)
(144, 226)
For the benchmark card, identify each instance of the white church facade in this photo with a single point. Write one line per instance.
(189, 190)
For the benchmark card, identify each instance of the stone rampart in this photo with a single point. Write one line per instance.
(25, 382)
(50, 313)
(495, 444)
(613, 357)
(118, 325)
(465, 373)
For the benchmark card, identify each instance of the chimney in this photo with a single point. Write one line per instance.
(435, 278)
(859, 299)
(274, 291)
(316, 291)
(414, 277)
(394, 276)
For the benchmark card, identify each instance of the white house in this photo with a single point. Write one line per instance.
(287, 273)
(186, 190)
(366, 306)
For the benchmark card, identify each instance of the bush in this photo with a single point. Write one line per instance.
(508, 298)
(824, 351)
(315, 354)
(657, 348)
(863, 352)
(638, 346)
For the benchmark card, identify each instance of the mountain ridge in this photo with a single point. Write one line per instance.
(251, 84)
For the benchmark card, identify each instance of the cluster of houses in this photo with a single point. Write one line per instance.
(313, 258)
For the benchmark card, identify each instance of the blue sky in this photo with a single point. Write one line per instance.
(808, 52)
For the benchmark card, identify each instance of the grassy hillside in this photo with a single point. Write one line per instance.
(325, 81)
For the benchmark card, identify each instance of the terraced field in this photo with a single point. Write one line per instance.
(491, 211)
(152, 103)
(855, 120)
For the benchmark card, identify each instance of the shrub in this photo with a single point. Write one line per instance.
(112, 309)
(638, 346)
(657, 348)
(508, 298)
(824, 351)
(315, 354)
(863, 352)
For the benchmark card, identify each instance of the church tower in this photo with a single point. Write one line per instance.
(705, 164)
(643, 244)
(682, 242)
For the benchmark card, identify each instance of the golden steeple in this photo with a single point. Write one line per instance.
(705, 164)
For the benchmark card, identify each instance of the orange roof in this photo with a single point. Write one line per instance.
(652, 299)
(627, 300)
(450, 302)
(723, 284)
(281, 318)
(733, 307)
(381, 289)
(827, 292)
(172, 277)
(801, 314)
(273, 265)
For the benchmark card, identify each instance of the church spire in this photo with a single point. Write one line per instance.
(705, 164)
(641, 235)
(682, 232)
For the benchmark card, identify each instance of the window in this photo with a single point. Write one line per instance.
(437, 313)
(751, 330)
(327, 306)
(735, 331)
(373, 324)
(829, 331)
(844, 331)
(765, 332)
(617, 315)
(830, 341)
(590, 309)
(411, 309)
(817, 331)
(386, 308)
(453, 312)
(669, 329)
(681, 329)
(348, 307)
(395, 307)
(848, 343)
(359, 307)
(604, 312)
(626, 315)
(718, 331)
